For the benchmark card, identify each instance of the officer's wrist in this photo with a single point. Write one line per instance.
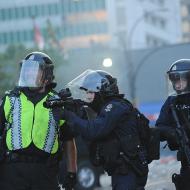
(71, 175)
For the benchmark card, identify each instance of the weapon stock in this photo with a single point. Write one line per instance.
(64, 99)
(181, 136)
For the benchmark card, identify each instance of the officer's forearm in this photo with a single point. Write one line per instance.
(80, 125)
(167, 133)
(71, 154)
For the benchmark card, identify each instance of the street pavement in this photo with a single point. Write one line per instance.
(159, 178)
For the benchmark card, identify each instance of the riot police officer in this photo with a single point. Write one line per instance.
(30, 134)
(173, 121)
(114, 140)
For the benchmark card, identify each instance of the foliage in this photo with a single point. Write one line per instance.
(9, 64)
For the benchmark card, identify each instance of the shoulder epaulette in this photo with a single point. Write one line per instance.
(14, 92)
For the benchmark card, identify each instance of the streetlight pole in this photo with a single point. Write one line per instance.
(127, 47)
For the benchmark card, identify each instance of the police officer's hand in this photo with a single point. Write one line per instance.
(70, 181)
(172, 141)
(74, 106)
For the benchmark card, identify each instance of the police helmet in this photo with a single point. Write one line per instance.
(179, 75)
(109, 85)
(100, 82)
(36, 70)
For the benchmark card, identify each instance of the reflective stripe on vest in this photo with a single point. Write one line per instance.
(30, 124)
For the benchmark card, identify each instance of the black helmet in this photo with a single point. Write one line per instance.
(35, 62)
(97, 81)
(179, 75)
(109, 85)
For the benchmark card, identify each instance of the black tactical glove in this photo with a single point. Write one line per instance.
(172, 141)
(70, 181)
(169, 135)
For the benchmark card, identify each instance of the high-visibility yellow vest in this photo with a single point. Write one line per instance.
(28, 123)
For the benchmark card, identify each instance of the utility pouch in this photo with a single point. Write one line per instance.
(95, 153)
(105, 153)
(110, 150)
(110, 154)
(129, 144)
(134, 154)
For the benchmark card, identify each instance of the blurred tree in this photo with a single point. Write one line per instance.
(9, 64)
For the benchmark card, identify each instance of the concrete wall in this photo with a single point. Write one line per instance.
(151, 78)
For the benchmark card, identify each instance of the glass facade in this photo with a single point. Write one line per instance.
(16, 36)
(67, 7)
(68, 31)
(81, 25)
(16, 13)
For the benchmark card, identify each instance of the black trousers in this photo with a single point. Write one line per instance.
(28, 176)
(128, 182)
(182, 180)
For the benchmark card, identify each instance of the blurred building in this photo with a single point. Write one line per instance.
(73, 24)
(185, 14)
(145, 23)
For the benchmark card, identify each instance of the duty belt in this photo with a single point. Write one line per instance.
(15, 157)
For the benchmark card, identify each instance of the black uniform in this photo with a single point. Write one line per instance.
(167, 125)
(28, 168)
(113, 126)
(174, 120)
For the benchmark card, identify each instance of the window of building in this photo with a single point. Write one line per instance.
(58, 32)
(101, 4)
(18, 36)
(33, 11)
(22, 12)
(12, 37)
(1, 39)
(19, 14)
(24, 35)
(85, 6)
(3, 13)
(6, 14)
(80, 30)
(186, 27)
(162, 23)
(8, 38)
(56, 9)
(9, 14)
(184, 11)
(37, 10)
(4, 38)
(121, 16)
(90, 5)
(31, 35)
(41, 10)
(45, 9)
(188, 8)
(161, 2)
(50, 10)
(87, 28)
(81, 5)
(153, 41)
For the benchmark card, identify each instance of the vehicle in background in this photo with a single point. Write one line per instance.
(87, 175)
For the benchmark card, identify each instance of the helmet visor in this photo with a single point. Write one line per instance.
(85, 84)
(89, 80)
(30, 74)
(180, 82)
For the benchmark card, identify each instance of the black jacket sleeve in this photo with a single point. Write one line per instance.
(102, 125)
(166, 124)
(2, 116)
